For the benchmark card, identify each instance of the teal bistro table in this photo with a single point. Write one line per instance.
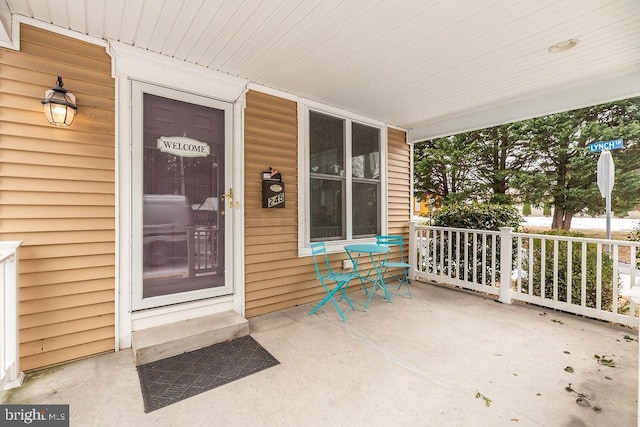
(373, 274)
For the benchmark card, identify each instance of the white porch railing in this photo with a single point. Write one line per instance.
(589, 277)
(10, 375)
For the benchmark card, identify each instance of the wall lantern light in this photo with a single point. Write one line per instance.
(59, 105)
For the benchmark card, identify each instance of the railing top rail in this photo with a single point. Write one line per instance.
(534, 235)
(576, 239)
(463, 230)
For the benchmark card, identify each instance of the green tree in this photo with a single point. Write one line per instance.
(500, 158)
(445, 167)
(543, 161)
(564, 171)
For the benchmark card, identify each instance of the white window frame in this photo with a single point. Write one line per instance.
(304, 214)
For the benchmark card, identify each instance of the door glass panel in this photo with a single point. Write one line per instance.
(183, 217)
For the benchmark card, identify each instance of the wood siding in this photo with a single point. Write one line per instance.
(57, 194)
(275, 278)
(398, 183)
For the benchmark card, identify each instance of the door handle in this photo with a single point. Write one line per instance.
(229, 196)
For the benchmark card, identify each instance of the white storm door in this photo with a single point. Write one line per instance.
(181, 197)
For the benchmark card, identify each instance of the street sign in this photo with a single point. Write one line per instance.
(614, 144)
(605, 184)
(606, 172)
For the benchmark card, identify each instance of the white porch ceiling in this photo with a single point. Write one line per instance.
(431, 66)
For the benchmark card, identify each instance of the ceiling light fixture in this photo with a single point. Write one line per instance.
(59, 105)
(563, 46)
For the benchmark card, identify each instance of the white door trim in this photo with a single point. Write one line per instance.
(129, 64)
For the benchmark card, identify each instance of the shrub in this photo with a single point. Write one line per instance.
(634, 236)
(476, 216)
(526, 209)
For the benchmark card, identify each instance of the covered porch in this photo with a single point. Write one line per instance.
(430, 360)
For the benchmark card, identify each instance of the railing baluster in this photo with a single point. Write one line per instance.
(583, 272)
(494, 243)
(449, 249)
(599, 277)
(442, 265)
(466, 257)
(555, 268)
(614, 279)
(484, 259)
(475, 257)
(632, 277)
(569, 271)
(519, 264)
(543, 272)
(531, 269)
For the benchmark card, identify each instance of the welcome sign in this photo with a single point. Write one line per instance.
(182, 146)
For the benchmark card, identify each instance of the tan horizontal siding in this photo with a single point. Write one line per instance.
(57, 195)
(58, 147)
(52, 330)
(399, 188)
(56, 290)
(66, 250)
(275, 278)
(91, 346)
(60, 316)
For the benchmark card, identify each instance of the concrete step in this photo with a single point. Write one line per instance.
(164, 341)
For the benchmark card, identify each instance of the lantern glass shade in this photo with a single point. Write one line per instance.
(59, 105)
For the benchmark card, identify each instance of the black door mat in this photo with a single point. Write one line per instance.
(170, 380)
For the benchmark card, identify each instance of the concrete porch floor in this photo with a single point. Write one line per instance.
(418, 362)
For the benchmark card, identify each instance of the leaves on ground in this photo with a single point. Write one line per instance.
(583, 399)
(569, 369)
(566, 352)
(602, 360)
(557, 321)
(628, 338)
(487, 401)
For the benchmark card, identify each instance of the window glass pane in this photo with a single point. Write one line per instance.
(366, 208)
(326, 209)
(365, 159)
(326, 139)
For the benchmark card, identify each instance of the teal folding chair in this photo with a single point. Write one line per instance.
(392, 264)
(327, 276)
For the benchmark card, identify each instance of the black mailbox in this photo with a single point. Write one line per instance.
(272, 190)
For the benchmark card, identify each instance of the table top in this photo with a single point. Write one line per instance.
(369, 248)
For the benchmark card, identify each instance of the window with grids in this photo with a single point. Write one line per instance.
(344, 178)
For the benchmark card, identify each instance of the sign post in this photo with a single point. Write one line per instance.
(606, 173)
